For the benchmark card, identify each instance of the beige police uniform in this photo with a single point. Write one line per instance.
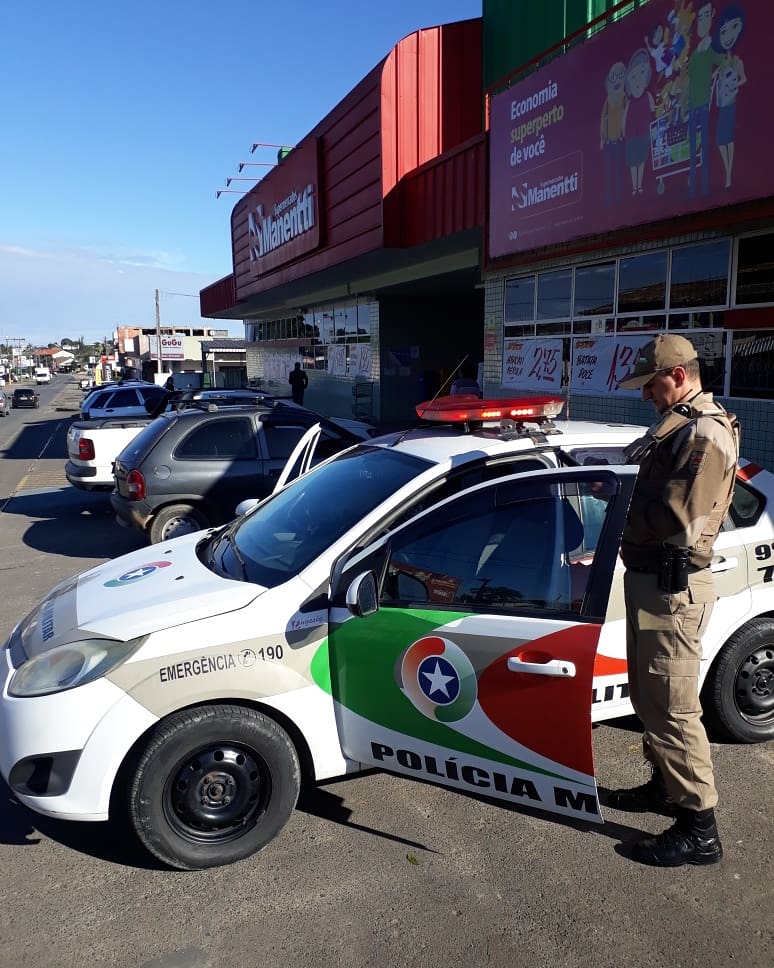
(687, 467)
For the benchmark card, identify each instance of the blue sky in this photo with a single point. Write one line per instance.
(120, 122)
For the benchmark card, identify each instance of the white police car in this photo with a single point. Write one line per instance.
(444, 603)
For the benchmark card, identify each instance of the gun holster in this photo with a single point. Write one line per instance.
(673, 569)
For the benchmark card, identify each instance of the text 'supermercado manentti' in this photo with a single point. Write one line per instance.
(534, 199)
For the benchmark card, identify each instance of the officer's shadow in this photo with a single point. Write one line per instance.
(625, 834)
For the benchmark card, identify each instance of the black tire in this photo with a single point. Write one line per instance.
(213, 786)
(175, 520)
(738, 695)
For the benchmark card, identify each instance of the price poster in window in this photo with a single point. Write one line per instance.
(598, 363)
(532, 364)
(337, 359)
(277, 366)
(360, 360)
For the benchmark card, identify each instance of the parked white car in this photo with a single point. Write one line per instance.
(121, 400)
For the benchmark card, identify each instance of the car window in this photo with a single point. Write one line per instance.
(281, 439)
(98, 400)
(122, 398)
(489, 552)
(233, 439)
(746, 507)
(602, 454)
(150, 393)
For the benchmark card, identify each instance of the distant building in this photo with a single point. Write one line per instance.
(139, 355)
(224, 363)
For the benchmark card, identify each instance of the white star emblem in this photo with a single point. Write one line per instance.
(438, 680)
(137, 573)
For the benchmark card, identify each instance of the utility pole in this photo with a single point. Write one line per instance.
(158, 335)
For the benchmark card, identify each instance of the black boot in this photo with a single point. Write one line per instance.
(693, 839)
(650, 797)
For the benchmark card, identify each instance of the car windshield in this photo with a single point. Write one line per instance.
(289, 530)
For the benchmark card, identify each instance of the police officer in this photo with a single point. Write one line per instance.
(687, 464)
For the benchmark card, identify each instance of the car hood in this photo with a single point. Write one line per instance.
(142, 592)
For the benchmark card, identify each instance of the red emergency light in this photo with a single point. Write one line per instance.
(463, 408)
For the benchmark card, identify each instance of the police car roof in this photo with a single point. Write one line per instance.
(443, 443)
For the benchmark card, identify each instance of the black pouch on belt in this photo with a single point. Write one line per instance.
(673, 569)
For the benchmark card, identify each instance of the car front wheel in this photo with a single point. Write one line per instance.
(213, 786)
(739, 692)
(176, 520)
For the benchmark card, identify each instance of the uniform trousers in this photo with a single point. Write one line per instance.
(663, 651)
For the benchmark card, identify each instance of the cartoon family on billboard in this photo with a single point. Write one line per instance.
(679, 85)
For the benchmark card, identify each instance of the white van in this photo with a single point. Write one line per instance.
(42, 374)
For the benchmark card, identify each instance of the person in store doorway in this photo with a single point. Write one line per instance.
(170, 384)
(298, 381)
(688, 462)
(465, 381)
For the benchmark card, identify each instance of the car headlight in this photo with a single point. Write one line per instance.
(70, 665)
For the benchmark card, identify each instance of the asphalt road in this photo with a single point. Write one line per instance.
(372, 871)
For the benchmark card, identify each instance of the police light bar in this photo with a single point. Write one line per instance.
(463, 408)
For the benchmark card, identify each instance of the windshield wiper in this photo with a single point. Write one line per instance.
(237, 553)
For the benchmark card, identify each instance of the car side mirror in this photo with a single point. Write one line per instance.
(247, 505)
(362, 595)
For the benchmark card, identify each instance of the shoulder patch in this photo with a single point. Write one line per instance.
(696, 462)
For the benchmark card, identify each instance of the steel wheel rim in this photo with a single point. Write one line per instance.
(217, 793)
(754, 686)
(177, 527)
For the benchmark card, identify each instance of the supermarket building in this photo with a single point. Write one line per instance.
(535, 196)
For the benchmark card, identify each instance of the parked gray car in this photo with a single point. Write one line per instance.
(189, 469)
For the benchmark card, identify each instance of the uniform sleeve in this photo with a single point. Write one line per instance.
(704, 457)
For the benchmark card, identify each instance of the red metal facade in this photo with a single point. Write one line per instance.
(217, 296)
(423, 100)
(443, 197)
(432, 97)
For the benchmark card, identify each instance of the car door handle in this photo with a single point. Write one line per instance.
(723, 564)
(554, 667)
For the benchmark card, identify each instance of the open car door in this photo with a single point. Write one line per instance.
(301, 457)
(462, 644)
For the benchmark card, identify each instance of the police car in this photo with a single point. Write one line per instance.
(444, 603)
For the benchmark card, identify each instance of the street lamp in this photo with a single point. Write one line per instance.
(257, 164)
(266, 144)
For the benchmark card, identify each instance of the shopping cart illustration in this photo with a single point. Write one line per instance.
(670, 150)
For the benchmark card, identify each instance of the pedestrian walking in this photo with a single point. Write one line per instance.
(688, 462)
(298, 381)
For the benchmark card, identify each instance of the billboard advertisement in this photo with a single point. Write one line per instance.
(171, 347)
(662, 114)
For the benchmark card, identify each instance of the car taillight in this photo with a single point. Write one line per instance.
(135, 486)
(85, 449)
